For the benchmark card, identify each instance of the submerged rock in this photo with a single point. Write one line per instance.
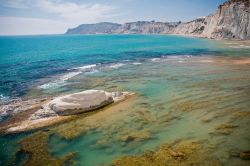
(245, 155)
(225, 129)
(183, 153)
(37, 148)
(135, 136)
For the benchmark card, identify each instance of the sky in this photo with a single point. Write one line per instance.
(27, 17)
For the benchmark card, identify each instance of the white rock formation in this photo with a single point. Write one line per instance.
(230, 21)
(78, 103)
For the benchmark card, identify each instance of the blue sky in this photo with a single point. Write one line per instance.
(21, 17)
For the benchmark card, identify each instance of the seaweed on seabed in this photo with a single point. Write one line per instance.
(185, 152)
(36, 146)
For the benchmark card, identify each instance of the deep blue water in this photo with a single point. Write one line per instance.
(25, 60)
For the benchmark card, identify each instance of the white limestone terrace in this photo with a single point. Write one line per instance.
(38, 113)
(80, 102)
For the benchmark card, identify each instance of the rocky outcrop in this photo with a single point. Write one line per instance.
(195, 27)
(76, 103)
(99, 28)
(146, 27)
(230, 21)
(18, 106)
(37, 113)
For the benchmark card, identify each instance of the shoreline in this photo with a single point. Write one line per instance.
(106, 34)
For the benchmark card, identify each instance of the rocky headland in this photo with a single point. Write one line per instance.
(99, 28)
(230, 21)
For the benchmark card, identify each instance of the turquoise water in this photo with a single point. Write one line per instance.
(48, 56)
(186, 88)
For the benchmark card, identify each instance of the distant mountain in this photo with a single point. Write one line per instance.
(139, 27)
(99, 28)
(230, 21)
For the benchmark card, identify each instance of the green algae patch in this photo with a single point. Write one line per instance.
(72, 129)
(36, 146)
(184, 153)
(225, 129)
(186, 106)
(241, 114)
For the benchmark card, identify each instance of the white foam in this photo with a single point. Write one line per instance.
(86, 67)
(155, 59)
(116, 65)
(3, 98)
(178, 58)
(59, 81)
(136, 63)
(69, 75)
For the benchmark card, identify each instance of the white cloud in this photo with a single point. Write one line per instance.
(84, 13)
(18, 4)
(29, 26)
(65, 15)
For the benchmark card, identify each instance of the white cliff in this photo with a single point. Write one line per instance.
(230, 21)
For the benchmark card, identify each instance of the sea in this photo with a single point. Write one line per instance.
(188, 89)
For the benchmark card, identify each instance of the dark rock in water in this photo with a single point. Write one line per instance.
(245, 155)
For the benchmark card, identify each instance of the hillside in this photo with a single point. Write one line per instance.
(230, 21)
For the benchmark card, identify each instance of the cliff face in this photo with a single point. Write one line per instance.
(195, 27)
(230, 21)
(99, 28)
(146, 27)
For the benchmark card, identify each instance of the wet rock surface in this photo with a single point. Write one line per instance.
(245, 155)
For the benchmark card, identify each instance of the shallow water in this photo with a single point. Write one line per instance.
(188, 96)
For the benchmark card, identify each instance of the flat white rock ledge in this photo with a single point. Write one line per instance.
(80, 102)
